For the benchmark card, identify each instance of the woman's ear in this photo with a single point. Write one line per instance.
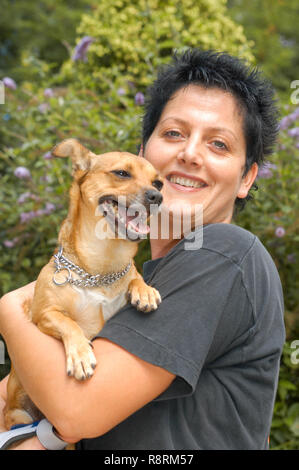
(140, 154)
(247, 181)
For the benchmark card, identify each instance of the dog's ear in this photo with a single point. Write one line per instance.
(80, 155)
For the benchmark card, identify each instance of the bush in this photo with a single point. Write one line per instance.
(35, 37)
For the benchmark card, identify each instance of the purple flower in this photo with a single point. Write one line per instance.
(45, 179)
(9, 83)
(139, 98)
(26, 196)
(23, 197)
(81, 49)
(121, 92)
(289, 119)
(280, 232)
(48, 93)
(49, 208)
(48, 156)
(294, 132)
(285, 122)
(22, 173)
(26, 216)
(39, 212)
(9, 243)
(291, 258)
(265, 171)
(295, 115)
(44, 108)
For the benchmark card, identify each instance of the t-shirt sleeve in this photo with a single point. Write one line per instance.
(196, 289)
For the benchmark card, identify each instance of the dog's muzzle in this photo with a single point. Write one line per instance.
(128, 216)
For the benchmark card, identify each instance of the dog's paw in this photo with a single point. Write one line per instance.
(80, 360)
(145, 298)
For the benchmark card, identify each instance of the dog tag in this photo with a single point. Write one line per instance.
(59, 283)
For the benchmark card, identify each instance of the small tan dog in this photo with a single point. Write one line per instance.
(92, 273)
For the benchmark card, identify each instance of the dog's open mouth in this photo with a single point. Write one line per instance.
(125, 221)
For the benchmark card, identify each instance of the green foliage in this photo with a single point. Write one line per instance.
(273, 214)
(94, 101)
(132, 38)
(33, 125)
(36, 37)
(273, 27)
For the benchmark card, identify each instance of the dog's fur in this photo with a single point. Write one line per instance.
(76, 314)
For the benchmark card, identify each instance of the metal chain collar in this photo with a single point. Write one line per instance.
(86, 279)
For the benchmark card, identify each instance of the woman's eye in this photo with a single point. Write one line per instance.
(173, 134)
(121, 173)
(220, 145)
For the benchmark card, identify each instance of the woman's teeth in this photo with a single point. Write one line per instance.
(186, 182)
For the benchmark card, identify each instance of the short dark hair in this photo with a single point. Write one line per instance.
(210, 69)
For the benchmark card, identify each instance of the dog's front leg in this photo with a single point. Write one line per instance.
(142, 296)
(80, 360)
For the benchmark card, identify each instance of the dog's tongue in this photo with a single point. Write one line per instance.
(138, 225)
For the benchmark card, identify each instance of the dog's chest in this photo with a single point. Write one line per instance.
(87, 309)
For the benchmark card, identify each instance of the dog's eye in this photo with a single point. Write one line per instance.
(121, 173)
(157, 184)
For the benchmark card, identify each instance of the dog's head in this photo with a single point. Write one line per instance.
(118, 186)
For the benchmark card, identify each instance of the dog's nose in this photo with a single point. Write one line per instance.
(153, 197)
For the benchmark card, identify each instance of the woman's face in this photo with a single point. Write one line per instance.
(199, 147)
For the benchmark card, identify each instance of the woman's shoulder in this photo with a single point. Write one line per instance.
(231, 230)
(227, 240)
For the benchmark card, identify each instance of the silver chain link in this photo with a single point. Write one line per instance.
(86, 279)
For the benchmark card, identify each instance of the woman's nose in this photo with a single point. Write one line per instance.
(191, 154)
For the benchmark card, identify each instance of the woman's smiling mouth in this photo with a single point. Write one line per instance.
(183, 182)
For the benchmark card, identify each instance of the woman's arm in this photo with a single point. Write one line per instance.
(122, 383)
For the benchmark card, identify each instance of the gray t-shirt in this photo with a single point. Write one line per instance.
(220, 330)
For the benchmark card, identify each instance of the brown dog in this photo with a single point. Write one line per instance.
(92, 273)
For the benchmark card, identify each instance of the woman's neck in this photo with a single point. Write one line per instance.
(160, 248)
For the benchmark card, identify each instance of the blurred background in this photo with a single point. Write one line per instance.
(81, 68)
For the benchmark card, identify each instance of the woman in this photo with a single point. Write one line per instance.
(201, 372)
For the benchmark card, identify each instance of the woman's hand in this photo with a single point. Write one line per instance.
(11, 304)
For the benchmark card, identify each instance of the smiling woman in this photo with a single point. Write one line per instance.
(198, 145)
(201, 371)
